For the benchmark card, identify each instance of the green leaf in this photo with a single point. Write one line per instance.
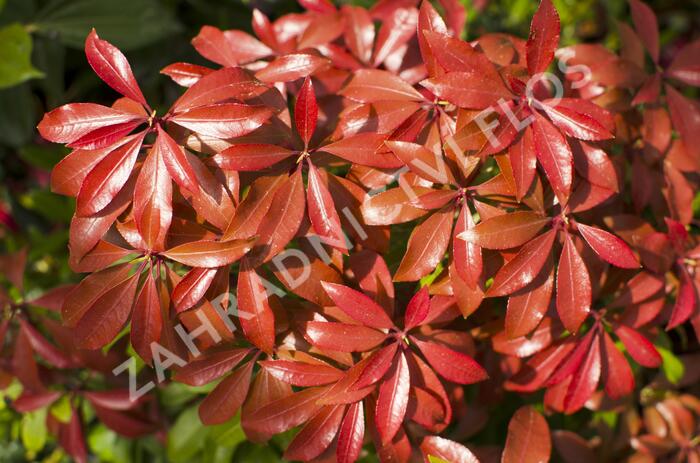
(228, 434)
(61, 409)
(128, 24)
(673, 368)
(15, 56)
(186, 437)
(434, 459)
(34, 430)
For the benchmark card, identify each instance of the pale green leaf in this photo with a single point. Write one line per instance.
(15, 56)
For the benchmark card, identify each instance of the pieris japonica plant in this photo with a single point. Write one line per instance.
(357, 225)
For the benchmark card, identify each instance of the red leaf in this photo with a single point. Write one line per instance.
(71, 438)
(523, 160)
(306, 112)
(522, 269)
(229, 48)
(224, 401)
(251, 157)
(283, 219)
(426, 246)
(573, 287)
(284, 413)
(429, 22)
(446, 450)
(466, 256)
(43, 347)
(527, 307)
(351, 434)
(554, 154)
(393, 399)
(417, 309)
(528, 438)
(580, 118)
(358, 306)
(112, 67)
(640, 349)
(118, 399)
(251, 212)
(192, 287)
(471, 90)
(506, 230)
(146, 321)
(529, 344)
(153, 208)
(108, 177)
(322, 211)
(686, 300)
(185, 74)
(544, 38)
(80, 299)
(423, 162)
(371, 85)
(316, 435)
(647, 27)
(451, 364)
(585, 379)
(176, 161)
(255, 315)
(359, 32)
(343, 337)
(106, 317)
(377, 365)
(317, 6)
(68, 175)
(618, 377)
(218, 87)
(609, 247)
(397, 29)
(210, 366)
(225, 120)
(71, 122)
(573, 448)
(292, 67)
(26, 403)
(686, 66)
(685, 114)
(302, 374)
(210, 254)
(458, 56)
(363, 149)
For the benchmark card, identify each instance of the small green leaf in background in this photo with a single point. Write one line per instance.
(34, 430)
(186, 437)
(673, 368)
(129, 24)
(108, 446)
(434, 459)
(15, 56)
(61, 410)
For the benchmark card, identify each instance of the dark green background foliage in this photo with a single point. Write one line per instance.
(42, 65)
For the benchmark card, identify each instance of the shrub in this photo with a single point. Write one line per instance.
(379, 233)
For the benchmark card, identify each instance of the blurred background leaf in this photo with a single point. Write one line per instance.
(15, 54)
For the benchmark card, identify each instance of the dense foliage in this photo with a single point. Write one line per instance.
(356, 235)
